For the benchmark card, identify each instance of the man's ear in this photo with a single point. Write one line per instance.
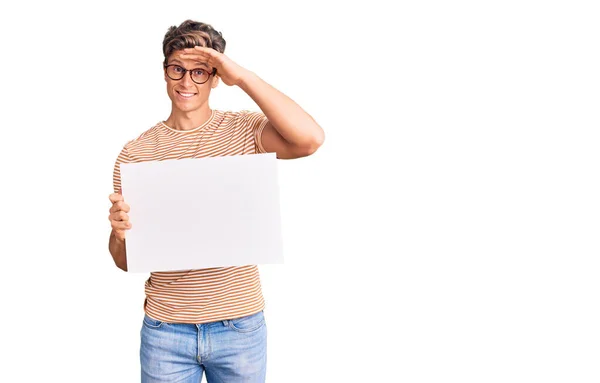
(215, 82)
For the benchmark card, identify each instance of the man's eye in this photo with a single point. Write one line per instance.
(198, 72)
(179, 69)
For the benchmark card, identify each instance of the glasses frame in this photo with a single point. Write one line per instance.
(214, 72)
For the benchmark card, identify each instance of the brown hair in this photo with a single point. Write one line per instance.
(190, 34)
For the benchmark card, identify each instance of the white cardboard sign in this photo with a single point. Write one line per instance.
(202, 213)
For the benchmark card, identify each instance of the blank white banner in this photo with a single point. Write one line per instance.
(200, 213)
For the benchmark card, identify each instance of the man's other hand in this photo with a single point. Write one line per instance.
(118, 217)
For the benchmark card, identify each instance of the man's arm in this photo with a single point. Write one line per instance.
(119, 221)
(290, 132)
(117, 249)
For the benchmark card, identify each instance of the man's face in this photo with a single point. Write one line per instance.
(185, 94)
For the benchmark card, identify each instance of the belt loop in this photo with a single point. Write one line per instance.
(225, 322)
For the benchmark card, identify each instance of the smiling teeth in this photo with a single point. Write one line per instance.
(186, 94)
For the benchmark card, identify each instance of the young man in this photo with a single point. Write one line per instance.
(207, 320)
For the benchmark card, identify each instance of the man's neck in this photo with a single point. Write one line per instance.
(179, 120)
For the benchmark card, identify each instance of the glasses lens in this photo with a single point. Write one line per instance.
(175, 72)
(199, 75)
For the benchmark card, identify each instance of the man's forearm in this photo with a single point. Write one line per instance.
(118, 251)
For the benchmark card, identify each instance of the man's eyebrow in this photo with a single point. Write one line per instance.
(175, 61)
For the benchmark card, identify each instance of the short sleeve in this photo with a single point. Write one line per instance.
(123, 157)
(254, 123)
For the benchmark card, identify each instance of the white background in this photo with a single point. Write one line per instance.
(447, 230)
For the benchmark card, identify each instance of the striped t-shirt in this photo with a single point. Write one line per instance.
(202, 295)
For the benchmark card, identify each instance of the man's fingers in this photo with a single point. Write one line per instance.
(120, 206)
(123, 206)
(206, 53)
(193, 56)
(122, 216)
(118, 216)
(193, 52)
(120, 225)
(198, 49)
(114, 197)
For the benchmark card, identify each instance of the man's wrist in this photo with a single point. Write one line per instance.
(246, 79)
(118, 240)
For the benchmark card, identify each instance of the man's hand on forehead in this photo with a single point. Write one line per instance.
(230, 72)
(182, 56)
(199, 54)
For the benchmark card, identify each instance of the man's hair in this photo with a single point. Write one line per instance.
(190, 34)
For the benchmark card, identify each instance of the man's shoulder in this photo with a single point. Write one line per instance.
(142, 140)
(232, 113)
(238, 116)
(146, 135)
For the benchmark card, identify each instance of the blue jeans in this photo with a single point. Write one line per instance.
(228, 351)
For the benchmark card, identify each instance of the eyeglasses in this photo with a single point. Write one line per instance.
(198, 75)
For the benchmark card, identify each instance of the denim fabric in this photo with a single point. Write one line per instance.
(226, 351)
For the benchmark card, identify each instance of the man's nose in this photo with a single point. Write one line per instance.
(187, 79)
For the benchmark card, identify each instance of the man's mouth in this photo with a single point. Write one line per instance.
(186, 95)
